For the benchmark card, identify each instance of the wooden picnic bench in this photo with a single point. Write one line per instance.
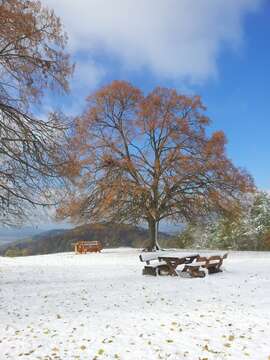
(83, 247)
(212, 264)
(164, 265)
(194, 265)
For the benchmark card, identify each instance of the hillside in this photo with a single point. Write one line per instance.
(110, 235)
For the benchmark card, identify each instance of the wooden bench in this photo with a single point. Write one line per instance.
(83, 247)
(152, 269)
(164, 265)
(212, 264)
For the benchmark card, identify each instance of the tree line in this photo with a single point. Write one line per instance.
(247, 230)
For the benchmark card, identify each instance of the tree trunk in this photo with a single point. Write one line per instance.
(153, 245)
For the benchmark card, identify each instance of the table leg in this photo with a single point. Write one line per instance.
(172, 268)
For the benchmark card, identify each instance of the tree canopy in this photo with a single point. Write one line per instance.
(136, 158)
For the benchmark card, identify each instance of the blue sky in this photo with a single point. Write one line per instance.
(238, 102)
(216, 48)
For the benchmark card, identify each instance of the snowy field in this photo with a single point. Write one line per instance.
(99, 306)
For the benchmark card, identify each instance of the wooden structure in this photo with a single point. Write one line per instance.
(83, 247)
(212, 264)
(164, 265)
(194, 265)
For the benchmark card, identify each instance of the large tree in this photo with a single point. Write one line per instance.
(32, 60)
(136, 158)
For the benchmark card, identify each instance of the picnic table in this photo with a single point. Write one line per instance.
(164, 264)
(194, 265)
(171, 263)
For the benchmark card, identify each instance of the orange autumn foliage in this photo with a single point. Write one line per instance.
(148, 158)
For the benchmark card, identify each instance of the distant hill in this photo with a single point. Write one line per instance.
(110, 235)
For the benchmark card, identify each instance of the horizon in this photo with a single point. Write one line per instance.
(8, 235)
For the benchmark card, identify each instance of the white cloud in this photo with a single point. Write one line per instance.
(87, 73)
(176, 39)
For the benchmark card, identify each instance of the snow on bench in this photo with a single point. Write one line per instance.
(167, 263)
(212, 264)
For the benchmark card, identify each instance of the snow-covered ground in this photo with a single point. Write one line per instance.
(99, 306)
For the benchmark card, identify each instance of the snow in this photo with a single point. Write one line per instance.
(100, 306)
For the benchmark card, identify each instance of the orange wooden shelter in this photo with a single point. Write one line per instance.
(83, 247)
